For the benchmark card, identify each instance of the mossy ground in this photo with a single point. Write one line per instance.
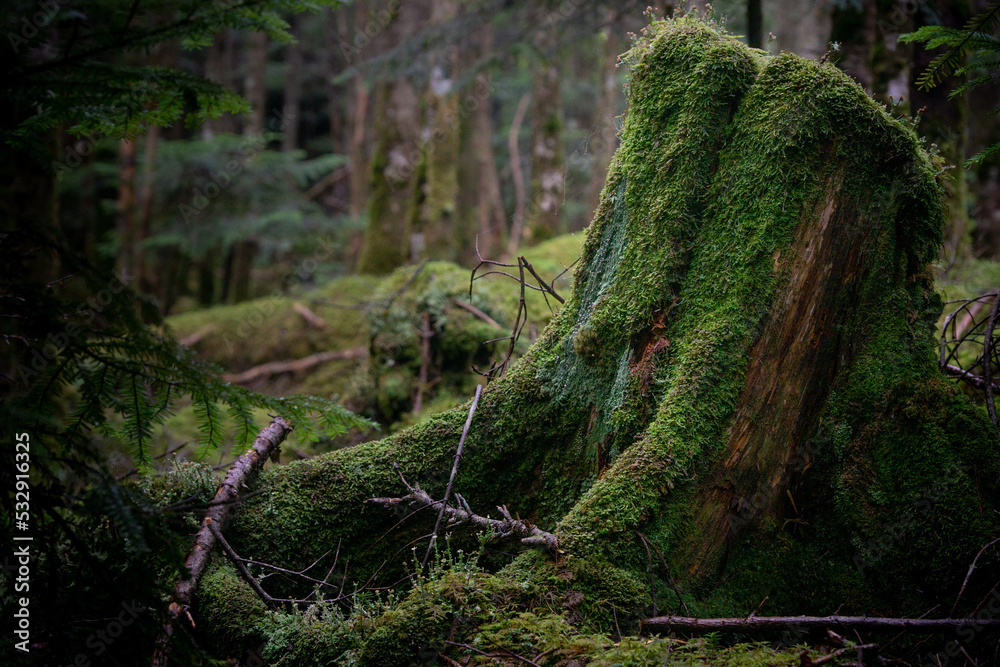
(353, 307)
(613, 429)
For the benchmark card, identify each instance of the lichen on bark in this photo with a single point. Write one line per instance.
(743, 378)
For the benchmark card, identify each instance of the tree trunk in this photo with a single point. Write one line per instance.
(239, 262)
(548, 175)
(480, 208)
(361, 174)
(435, 231)
(126, 236)
(803, 27)
(220, 62)
(205, 267)
(755, 24)
(293, 92)
(165, 54)
(605, 141)
(255, 84)
(740, 399)
(333, 20)
(395, 161)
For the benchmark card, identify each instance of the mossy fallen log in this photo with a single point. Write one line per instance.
(744, 378)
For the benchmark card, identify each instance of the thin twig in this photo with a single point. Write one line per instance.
(454, 471)
(242, 569)
(971, 570)
(839, 652)
(506, 653)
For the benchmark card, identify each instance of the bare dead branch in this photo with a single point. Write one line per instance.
(837, 653)
(243, 471)
(294, 365)
(972, 569)
(972, 379)
(308, 315)
(498, 368)
(505, 653)
(454, 471)
(192, 339)
(409, 281)
(242, 569)
(529, 535)
(478, 313)
(541, 283)
(326, 182)
(968, 335)
(927, 625)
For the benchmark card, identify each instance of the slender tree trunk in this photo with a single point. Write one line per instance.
(242, 254)
(254, 84)
(205, 268)
(943, 121)
(220, 63)
(361, 174)
(126, 236)
(548, 169)
(396, 159)
(166, 55)
(480, 206)
(293, 92)
(803, 28)
(394, 163)
(141, 265)
(334, 21)
(517, 175)
(435, 231)
(605, 140)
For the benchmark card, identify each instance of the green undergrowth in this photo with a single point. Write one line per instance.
(384, 315)
(457, 610)
(968, 278)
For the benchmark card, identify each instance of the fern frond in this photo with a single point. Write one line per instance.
(949, 61)
(983, 155)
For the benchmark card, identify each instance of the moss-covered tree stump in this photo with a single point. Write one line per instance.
(740, 399)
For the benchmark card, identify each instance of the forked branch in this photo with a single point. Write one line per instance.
(240, 474)
(530, 535)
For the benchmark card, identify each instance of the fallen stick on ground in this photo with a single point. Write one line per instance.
(242, 471)
(293, 365)
(929, 625)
